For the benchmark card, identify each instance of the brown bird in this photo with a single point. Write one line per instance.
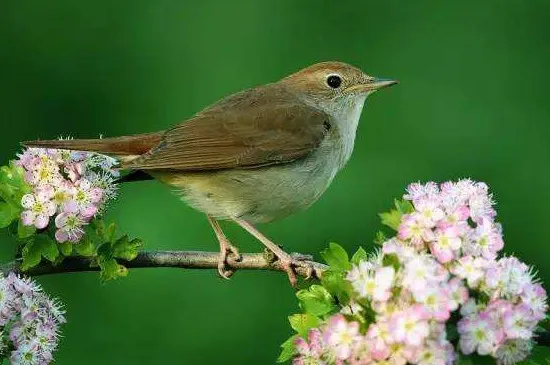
(255, 156)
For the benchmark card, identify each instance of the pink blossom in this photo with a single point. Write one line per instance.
(70, 224)
(39, 209)
(446, 243)
(413, 229)
(410, 326)
(458, 293)
(420, 272)
(534, 297)
(378, 338)
(436, 302)
(519, 323)
(311, 351)
(486, 240)
(429, 212)
(470, 268)
(477, 333)
(432, 353)
(341, 335)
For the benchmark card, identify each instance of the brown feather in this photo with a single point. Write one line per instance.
(257, 127)
(125, 145)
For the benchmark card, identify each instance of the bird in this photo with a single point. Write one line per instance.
(256, 156)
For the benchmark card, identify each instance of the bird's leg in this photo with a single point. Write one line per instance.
(287, 261)
(226, 250)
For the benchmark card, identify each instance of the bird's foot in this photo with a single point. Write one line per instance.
(291, 262)
(228, 252)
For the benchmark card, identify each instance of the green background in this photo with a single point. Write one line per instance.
(473, 102)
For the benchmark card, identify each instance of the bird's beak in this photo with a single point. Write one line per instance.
(372, 85)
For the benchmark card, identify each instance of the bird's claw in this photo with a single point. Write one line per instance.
(294, 261)
(228, 252)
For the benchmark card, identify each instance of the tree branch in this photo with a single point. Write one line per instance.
(184, 260)
(177, 259)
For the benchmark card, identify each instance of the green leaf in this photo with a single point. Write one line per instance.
(302, 323)
(111, 270)
(31, 255)
(359, 255)
(65, 248)
(337, 285)
(47, 246)
(391, 260)
(391, 219)
(287, 349)
(380, 238)
(316, 300)
(24, 231)
(336, 257)
(85, 247)
(403, 206)
(8, 213)
(125, 249)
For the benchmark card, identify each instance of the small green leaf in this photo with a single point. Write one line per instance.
(8, 213)
(359, 255)
(65, 248)
(126, 249)
(85, 247)
(380, 238)
(287, 349)
(403, 206)
(316, 300)
(391, 219)
(47, 246)
(24, 231)
(337, 285)
(31, 255)
(391, 260)
(111, 270)
(302, 323)
(336, 257)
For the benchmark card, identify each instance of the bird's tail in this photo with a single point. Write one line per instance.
(119, 146)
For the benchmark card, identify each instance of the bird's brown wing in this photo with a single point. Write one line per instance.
(254, 128)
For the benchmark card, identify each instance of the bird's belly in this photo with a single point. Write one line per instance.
(256, 195)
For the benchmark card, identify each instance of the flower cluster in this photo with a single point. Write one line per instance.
(68, 187)
(29, 322)
(441, 271)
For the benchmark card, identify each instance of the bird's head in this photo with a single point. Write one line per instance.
(331, 85)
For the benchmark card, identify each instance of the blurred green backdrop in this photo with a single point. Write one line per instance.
(472, 103)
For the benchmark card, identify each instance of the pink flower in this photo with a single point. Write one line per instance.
(87, 198)
(458, 293)
(471, 269)
(436, 302)
(417, 191)
(39, 209)
(486, 240)
(446, 243)
(534, 297)
(378, 338)
(519, 323)
(507, 277)
(432, 353)
(341, 335)
(69, 224)
(413, 229)
(311, 351)
(477, 333)
(410, 326)
(429, 212)
(420, 272)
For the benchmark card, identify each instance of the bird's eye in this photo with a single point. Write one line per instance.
(334, 81)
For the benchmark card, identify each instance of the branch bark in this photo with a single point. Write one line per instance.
(176, 259)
